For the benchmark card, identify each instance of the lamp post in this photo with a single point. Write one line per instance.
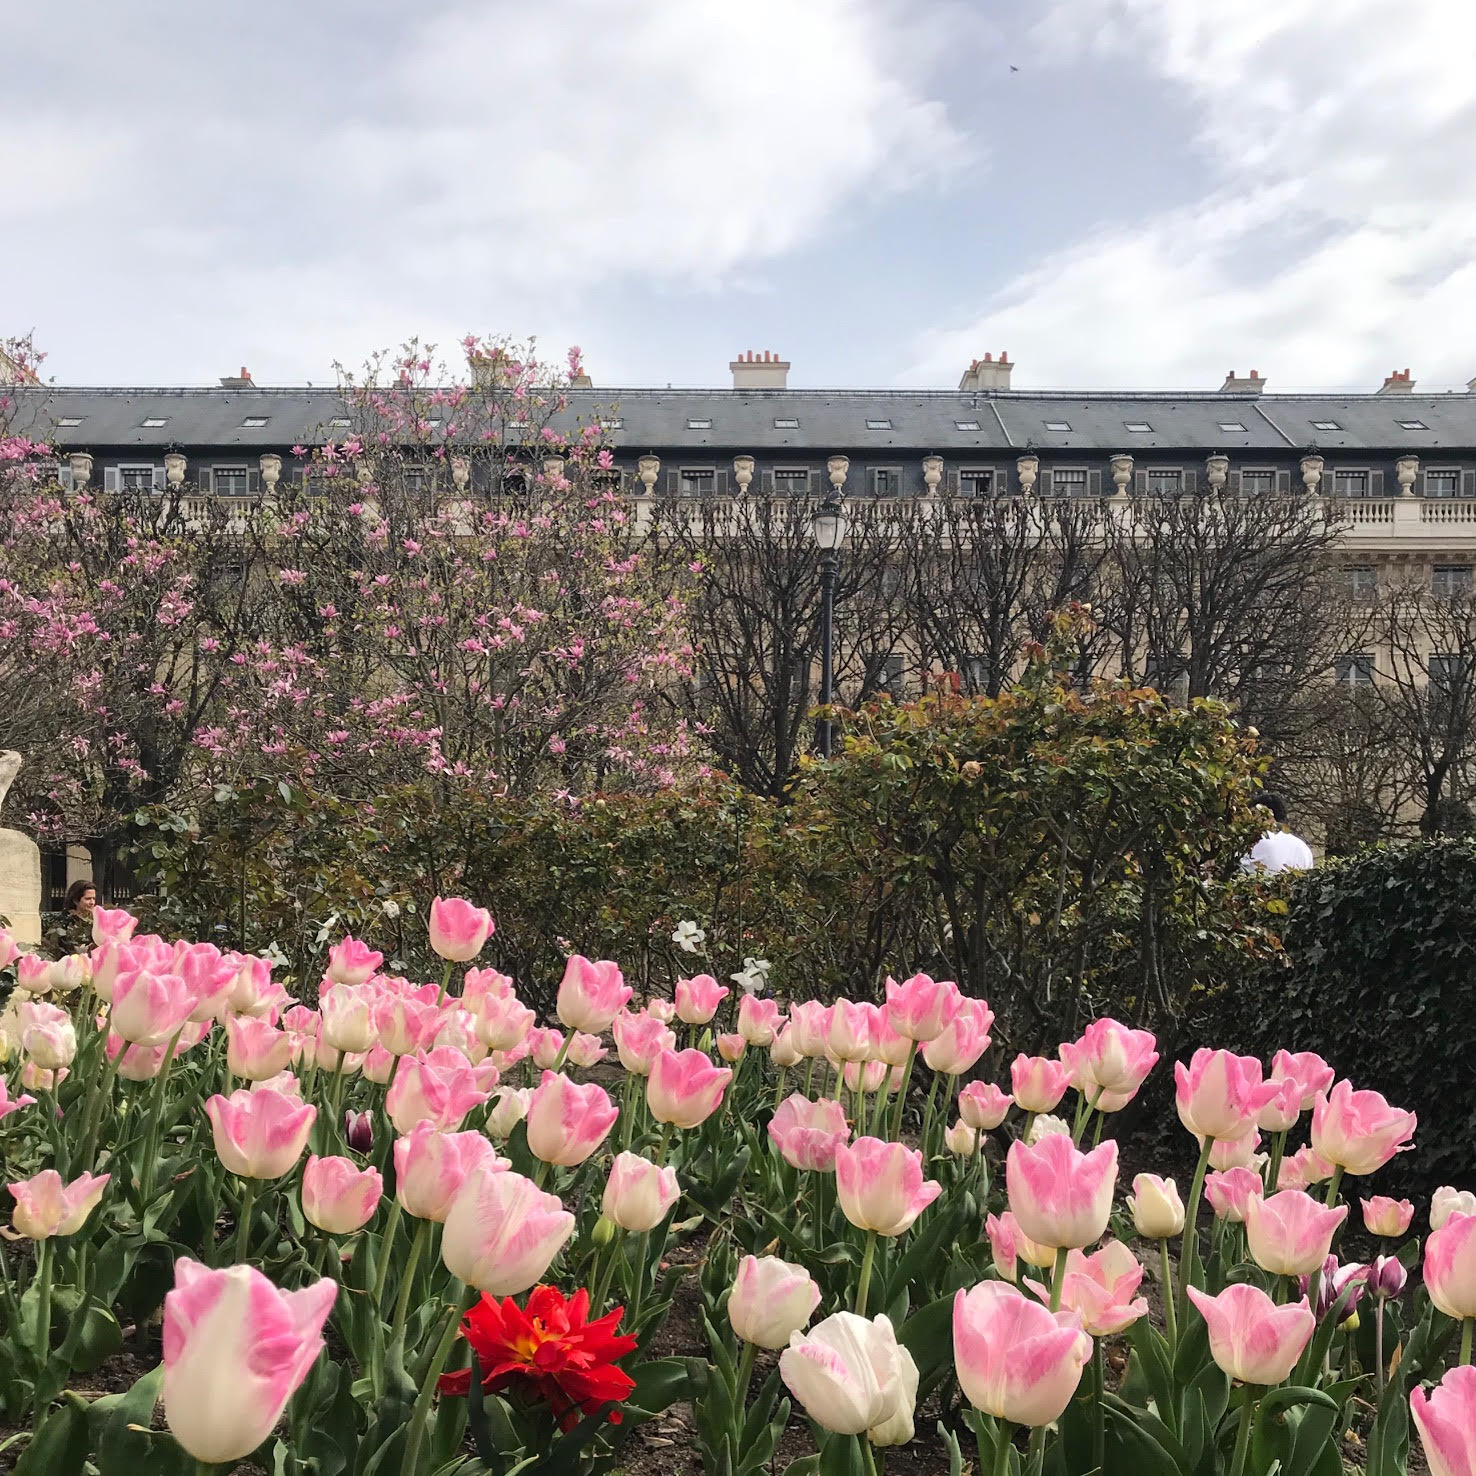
(828, 526)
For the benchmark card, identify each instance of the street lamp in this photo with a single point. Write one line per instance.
(828, 527)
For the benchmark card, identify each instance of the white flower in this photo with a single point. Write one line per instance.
(1044, 1126)
(753, 976)
(390, 907)
(689, 937)
(275, 954)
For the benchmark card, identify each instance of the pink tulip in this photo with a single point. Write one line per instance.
(254, 991)
(148, 1009)
(698, 998)
(1289, 1233)
(352, 962)
(36, 1079)
(731, 1047)
(260, 1134)
(1446, 1420)
(338, 1196)
(957, 1047)
(457, 1030)
(509, 1108)
(210, 976)
(1061, 1196)
(1385, 1216)
(1109, 1057)
(1310, 1072)
(1250, 1337)
(983, 1105)
(852, 1376)
(783, 1052)
(135, 1062)
(852, 1030)
(809, 1026)
(503, 1022)
(865, 1076)
(591, 994)
(759, 1020)
(9, 1104)
(431, 1167)
(437, 1086)
(880, 1185)
(639, 1194)
(45, 1206)
(108, 960)
(1220, 1094)
(566, 1121)
(1229, 1192)
(1447, 1201)
(235, 1351)
(887, 1045)
(70, 973)
(1359, 1131)
(348, 1017)
(33, 974)
(685, 1088)
(1303, 1169)
(256, 1049)
(1010, 1244)
(1280, 1114)
(961, 1140)
(921, 1008)
(1039, 1082)
(503, 1233)
(771, 1300)
(112, 925)
(478, 986)
(1230, 1153)
(379, 1066)
(1158, 1212)
(458, 930)
(1450, 1266)
(638, 1039)
(404, 1025)
(585, 1049)
(661, 1009)
(1101, 1289)
(10, 950)
(808, 1133)
(47, 1034)
(1014, 1359)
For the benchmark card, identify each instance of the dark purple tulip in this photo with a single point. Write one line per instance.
(359, 1129)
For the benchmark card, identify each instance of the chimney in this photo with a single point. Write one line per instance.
(1234, 385)
(237, 381)
(760, 371)
(988, 373)
(1398, 383)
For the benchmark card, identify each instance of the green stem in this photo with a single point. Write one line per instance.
(1379, 1346)
(445, 983)
(607, 1270)
(386, 1245)
(102, 1092)
(1242, 1435)
(413, 1441)
(1058, 1277)
(156, 1109)
(1084, 1117)
(642, 1247)
(1273, 1165)
(1189, 1246)
(325, 1244)
(810, 1076)
(243, 1220)
(868, 1456)
(901, 1106)
(780, 1085)
(1099, 1409)
(43, 1300)
(627, 1109)
(1333, 1185)
(1170, 1317)
(335, 1098)
(927, 1122)
(740, 1392)
(1001, 1449)
(868, 1256)
(407, 1280)
(1467, 1325)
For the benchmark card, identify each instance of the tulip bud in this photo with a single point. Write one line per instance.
(604, 1231)
(639, 1194)
(961, 1139)
(1387, 1276)
(770, 1301)
(1158, 1212)
(358, 1129)
(731, 1048)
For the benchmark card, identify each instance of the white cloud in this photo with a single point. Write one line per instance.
(1335, 235)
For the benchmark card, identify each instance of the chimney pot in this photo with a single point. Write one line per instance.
(760, 370)
(1004, 356)
(987, 373)
(988, 359)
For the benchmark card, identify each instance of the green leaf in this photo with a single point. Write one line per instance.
(927, 1335)
(119, 1447)
(59, 1447)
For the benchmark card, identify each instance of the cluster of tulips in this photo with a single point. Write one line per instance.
(487, 1209)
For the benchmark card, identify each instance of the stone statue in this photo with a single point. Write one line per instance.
(20, 867)
(10, 762)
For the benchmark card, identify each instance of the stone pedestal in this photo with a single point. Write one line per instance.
(20, 885)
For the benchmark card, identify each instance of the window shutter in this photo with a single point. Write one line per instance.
(253, 482)
(161, 479)
(64, 478)
(1376, 482)
(1468, 484)
(817, 484)
(1232, 481)
(1094, 481)
(1420, 483)
(950, 481)
(1044, 481)
(110, 479)
(720, 483)
(1189, 479)
(1284, 482)
(671, 484)
(999, 483)
(203, 478)
(766, 481)
(1140, 483)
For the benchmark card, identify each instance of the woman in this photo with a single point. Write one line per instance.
(73, 933)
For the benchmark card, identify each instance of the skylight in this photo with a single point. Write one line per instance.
(1231, 425)
(785, 422)
(878, 424)
(967, 425)
(1137, 426)
(701, 423)
(1413, 425)
(1058, 425)
(70, 420)
(153, 422)
(254, 422)
(612, 422)
(340, 422)
(1326, 425)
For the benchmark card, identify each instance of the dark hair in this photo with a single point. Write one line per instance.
(77, 891)
(1275, 804)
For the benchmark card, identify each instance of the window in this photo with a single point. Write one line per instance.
(878, 424)
(153, 422)
(700, 423)
(967, 425)
(1326, 425)
(1447, 670)
(1445, 482)
(791, 481)
(1350, 483)
(1165, 481)
(1354, 669)
(417, 478)
(229, 481)
(136, 478)
(696, 481)
(975, 483)
(1231, 425)
(785, 422)
(1450, 581)
(1138, 427)
(340, 422)
(1412, 425)
(1359, 580)
(891, 578)
(893, 675)
(976, 672)
(1257, 483)
(612, 422)
(254, 422)
(1059, 426)
(1069, 481)
(886, 481)
(69, 420)
(514, 482)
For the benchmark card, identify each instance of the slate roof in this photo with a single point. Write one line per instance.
(918, 421)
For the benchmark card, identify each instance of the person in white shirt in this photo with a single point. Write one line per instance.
(1278, 849)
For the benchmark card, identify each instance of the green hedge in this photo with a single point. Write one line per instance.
(1379, 976)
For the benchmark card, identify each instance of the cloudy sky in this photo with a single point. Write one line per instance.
(1162, 190)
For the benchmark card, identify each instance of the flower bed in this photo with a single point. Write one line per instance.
(415, 1230)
